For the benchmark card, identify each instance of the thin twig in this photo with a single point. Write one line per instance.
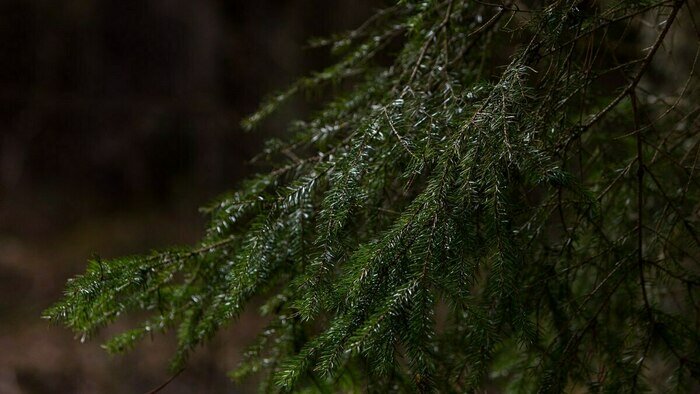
(640, 207)
(636, 79)
(426, 45)
(166, 383)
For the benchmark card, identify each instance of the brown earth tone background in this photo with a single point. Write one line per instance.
(118, 119)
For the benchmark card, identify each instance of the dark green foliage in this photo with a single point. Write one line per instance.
(509, 202)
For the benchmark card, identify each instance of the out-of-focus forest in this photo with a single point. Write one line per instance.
(118, 119)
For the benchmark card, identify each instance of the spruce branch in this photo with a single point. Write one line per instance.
(463, 213)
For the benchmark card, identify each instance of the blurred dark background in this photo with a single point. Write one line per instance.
(118, 119)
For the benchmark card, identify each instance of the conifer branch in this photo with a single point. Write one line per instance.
(447, 222)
